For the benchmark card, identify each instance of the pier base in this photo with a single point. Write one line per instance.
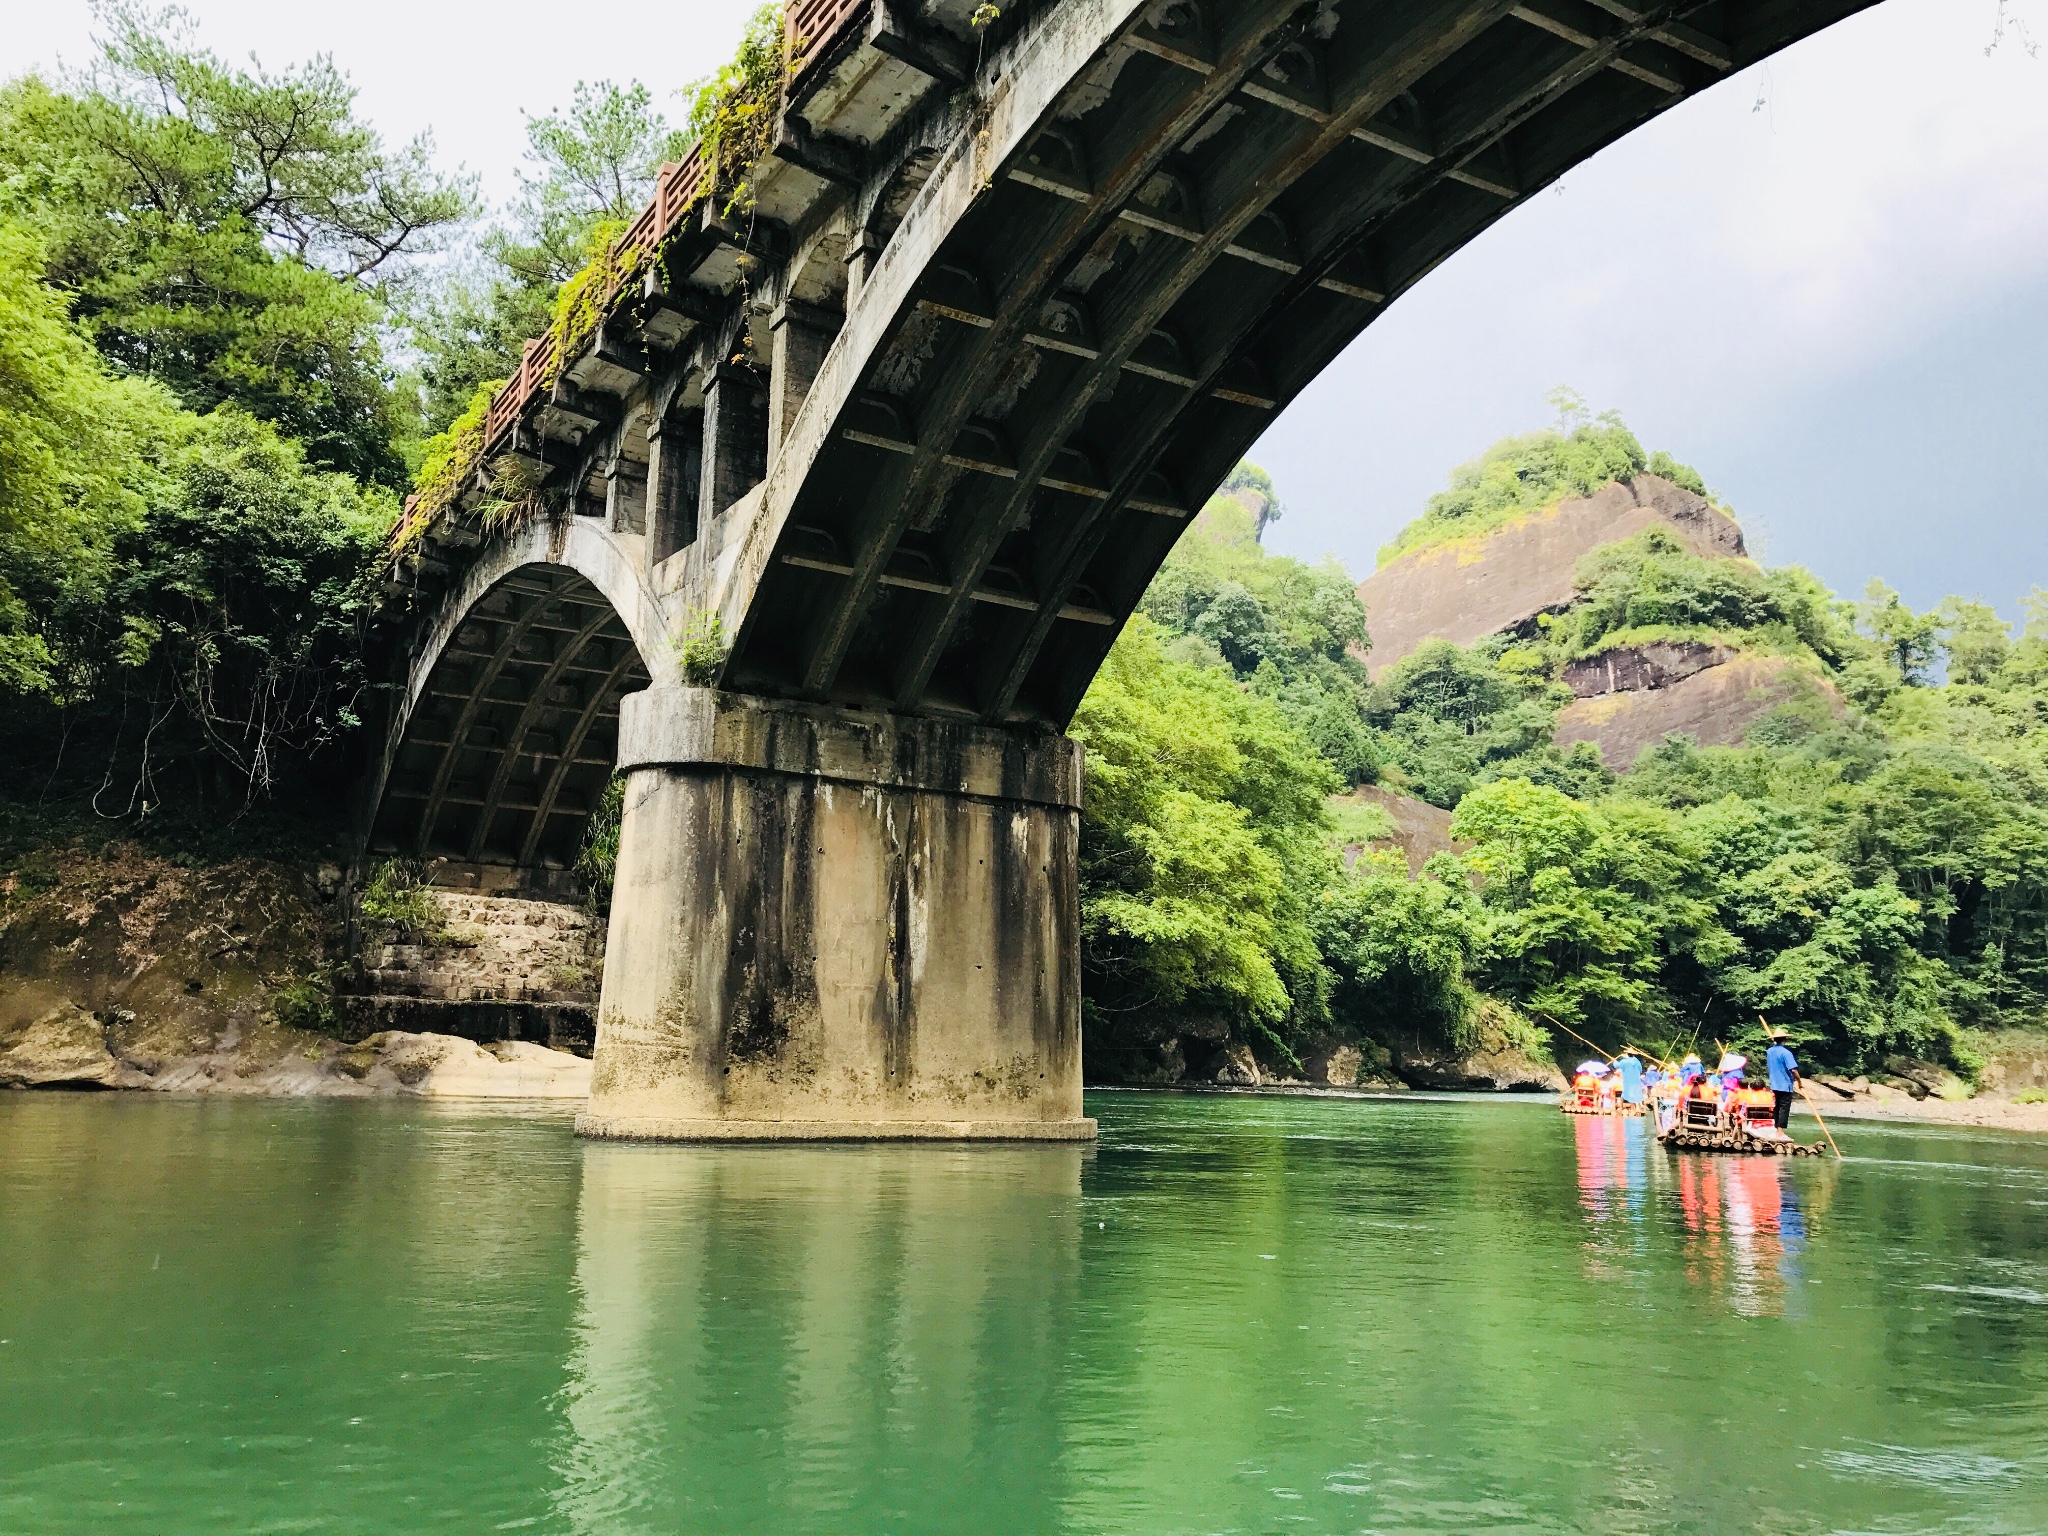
(831, 925)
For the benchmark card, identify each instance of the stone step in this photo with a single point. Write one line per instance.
(510, 951)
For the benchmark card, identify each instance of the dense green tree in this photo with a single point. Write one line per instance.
(590, 170)
(1974, 638)
(1908, 641)
(234, 234)
(186, 588)
(1290, 631)
(1401, 951)
(1452, 716)
(1651, 586)
(1203, 848)
(79, 451)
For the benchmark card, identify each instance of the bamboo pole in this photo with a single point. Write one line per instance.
(1766, 1023)
(1816, 1115)
(1589, 1045)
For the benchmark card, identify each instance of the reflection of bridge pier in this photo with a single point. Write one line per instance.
(762, 1338)
(895, 425)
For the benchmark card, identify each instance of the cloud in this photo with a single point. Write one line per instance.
(1721, 269)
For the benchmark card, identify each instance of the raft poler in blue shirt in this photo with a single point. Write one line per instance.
(1631, 1071)
(1783, 1068)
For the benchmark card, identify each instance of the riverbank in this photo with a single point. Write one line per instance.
(69, 1047)
(122, 967)
(1986, 1112)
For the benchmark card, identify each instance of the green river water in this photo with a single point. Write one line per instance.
(1234, 1314)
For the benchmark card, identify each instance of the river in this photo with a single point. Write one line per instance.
(1235, 1314)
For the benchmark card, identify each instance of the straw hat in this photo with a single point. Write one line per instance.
(1731, 1062)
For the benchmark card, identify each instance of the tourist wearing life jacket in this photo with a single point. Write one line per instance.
(1782, 1067)
(1729, 1070)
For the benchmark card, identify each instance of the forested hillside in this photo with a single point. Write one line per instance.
(1869, 868)
(235, 326)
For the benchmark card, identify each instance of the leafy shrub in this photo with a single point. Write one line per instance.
(597, 862)
(701, 649)
(397, 898)
(307, 1002)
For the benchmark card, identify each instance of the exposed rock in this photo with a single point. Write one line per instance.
(1640, 668)
(1340, 1068)
(1466, 590)
(63, 1048)
(444, 1067)
(1239, 1069)
(1841, 1087)
(179, 963)
(124, 970)
(1502, 1070)
(2015, 1062)
(1420, 829)
(1336, 1063)
(1717, 706)
(1922, 1078)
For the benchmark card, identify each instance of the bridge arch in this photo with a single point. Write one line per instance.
(1015, 294)
(508, 727)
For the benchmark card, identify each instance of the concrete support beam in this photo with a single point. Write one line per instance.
(839, 925)
(800, 335)
(675, 477)
(735, 439)
(625, 495)
(862, 252)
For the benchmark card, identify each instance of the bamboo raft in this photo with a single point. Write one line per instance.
(1585, 1100)
(1703, 1126)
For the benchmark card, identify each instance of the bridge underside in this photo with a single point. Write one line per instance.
(1218, 203)
(914, 432)
(511, 741)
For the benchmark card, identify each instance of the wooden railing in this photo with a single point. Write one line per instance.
(809, 29)
(678, 186)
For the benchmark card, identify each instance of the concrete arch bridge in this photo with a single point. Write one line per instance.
(846, 494)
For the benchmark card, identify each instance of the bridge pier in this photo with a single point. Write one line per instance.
(829, 924)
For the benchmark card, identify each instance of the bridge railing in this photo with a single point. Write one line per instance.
(678, 187)
(811, 28)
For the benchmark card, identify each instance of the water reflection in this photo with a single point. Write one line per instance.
(775, 1338)
(1744, 1230)
(1249, 1315)
(1614, 1166)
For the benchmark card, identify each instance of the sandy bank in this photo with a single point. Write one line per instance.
(1999, 1114)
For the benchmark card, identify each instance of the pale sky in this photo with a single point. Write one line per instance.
(1824, 282)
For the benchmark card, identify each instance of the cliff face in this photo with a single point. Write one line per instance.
(1467, 590)
(123, 969)
(1715, 702)
(1639, 668)
(1420, 829)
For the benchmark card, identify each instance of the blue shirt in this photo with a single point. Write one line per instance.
(1781, 1064)
(1631, 1080)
